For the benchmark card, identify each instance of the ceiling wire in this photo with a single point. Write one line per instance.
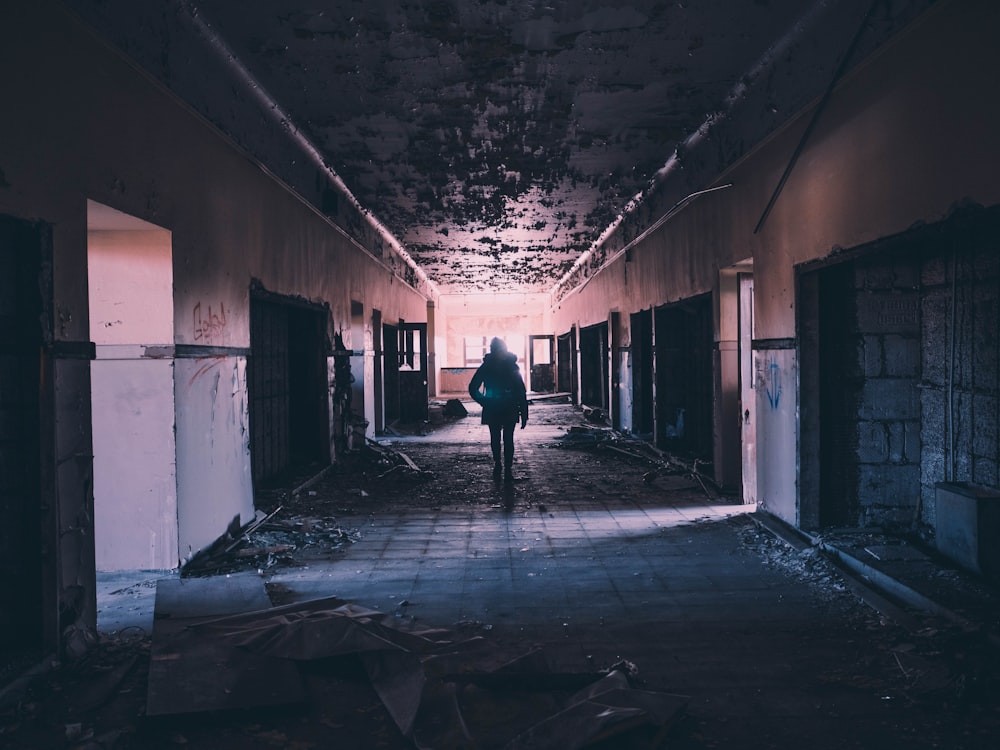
(817, 113)
(674, 209)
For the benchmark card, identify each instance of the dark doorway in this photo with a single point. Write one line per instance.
(594, 365)
(566, 363)
(412, 357)
(541, 363)
(840, 382)
(683, 363)
(390, 371)
(21, 562)
(286, 380)
(642, 374)
(900, 374)
(378, 392)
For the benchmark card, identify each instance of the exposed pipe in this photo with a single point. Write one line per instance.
(810, 19)
(274, 110)
(838, 73)
(645, 233)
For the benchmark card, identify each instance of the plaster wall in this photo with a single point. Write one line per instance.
(135, 483)
(130, 280)
(213, 457)
(85, 124)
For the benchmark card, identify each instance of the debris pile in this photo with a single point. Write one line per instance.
(443, 692)
(661, 462)
(394, 461)
(808, 565)
(454, 408)
(594, 414)
(267, 541)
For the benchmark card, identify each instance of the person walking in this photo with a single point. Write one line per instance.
(497, 387)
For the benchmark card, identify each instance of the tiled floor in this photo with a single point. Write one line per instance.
(573, 539)
(451, 565)
(586, 559)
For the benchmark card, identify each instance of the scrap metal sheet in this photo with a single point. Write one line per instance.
(194, 672)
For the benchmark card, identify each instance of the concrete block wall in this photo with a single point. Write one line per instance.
(960, 388)
(887, 303)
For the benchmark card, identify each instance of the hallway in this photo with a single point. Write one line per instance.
(729, 229)
(583, 559)
(574, 522)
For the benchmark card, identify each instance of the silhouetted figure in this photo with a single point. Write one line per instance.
(497, 386)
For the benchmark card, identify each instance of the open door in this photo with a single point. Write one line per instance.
(566, 365)
(412, 356)
(594, 381)
(378, 391)
(541, 351)
(748, 400)
(684, 383)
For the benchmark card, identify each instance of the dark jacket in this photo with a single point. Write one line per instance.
(498, 387)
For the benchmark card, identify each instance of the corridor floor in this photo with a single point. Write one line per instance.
(589, 559)
(585, 557)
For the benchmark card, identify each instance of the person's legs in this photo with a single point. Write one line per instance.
(495, 448)
(508, 446)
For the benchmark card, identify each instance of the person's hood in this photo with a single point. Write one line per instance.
(500, 359)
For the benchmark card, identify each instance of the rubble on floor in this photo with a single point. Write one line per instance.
(662, 463)
(440, 688)
(267, 541)
(394, 460)
(454, 408)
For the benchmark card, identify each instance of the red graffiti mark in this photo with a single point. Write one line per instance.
(208, 363)
(211, 325)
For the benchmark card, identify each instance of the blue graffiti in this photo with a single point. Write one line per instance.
(774, 385)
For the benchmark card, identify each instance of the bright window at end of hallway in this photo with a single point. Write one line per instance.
(475, 349)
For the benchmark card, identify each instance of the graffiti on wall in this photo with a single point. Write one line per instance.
(209, 325)
(773, 383)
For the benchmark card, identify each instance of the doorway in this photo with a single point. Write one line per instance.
(541, 364)
(359, 385)
(412, 357)
(642, 374)
(390, 371)
(287, 386)
(22, 565)
(566, 364)
(594, 366)
(378, 390)
(131, 300)
(684, 377)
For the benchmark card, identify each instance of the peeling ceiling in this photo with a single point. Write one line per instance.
(494, 140)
